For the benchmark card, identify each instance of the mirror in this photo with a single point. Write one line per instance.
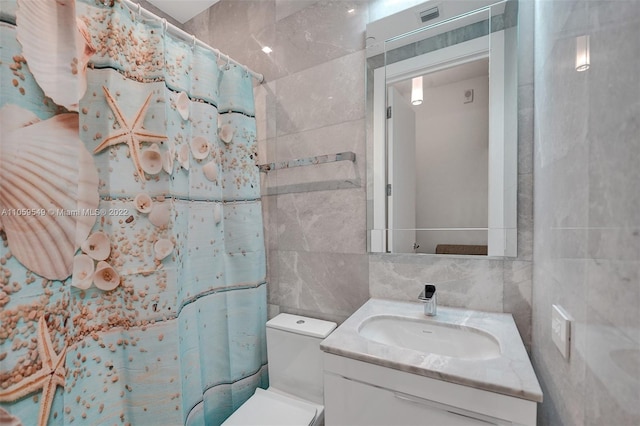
(442, 129)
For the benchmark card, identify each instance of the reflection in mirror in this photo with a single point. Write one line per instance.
(442, 109)
(452, 160)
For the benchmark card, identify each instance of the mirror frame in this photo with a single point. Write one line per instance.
(503, 130)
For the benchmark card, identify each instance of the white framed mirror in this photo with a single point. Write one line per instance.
(442, 131)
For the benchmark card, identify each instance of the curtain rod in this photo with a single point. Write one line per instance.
(137, 8)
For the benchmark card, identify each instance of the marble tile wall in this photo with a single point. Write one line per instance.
(315, 216)
(587, 211)
(312, 104)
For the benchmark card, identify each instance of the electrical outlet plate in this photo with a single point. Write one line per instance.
(468, 96)
(561, 329)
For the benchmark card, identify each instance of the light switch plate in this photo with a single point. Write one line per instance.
(561, 329)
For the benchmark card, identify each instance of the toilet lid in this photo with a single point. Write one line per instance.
(266, 408)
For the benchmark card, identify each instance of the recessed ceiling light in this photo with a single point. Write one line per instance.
(267, 49)
(351, 11)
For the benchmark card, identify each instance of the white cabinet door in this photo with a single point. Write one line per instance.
(348, 402)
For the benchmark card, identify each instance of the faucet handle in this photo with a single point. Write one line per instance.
(428, 292)
(430, 299)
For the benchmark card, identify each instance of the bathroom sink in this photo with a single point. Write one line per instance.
(430, 337)
(467, 348)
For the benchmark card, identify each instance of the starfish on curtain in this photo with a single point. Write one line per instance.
(51, 375)
(132, 133)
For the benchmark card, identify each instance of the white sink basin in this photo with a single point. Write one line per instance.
(430, 337)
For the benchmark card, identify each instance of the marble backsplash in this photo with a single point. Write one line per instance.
(492, 285)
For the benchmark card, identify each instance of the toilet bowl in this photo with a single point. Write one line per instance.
(295, 396)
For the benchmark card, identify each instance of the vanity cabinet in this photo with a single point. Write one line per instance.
(369, 405)
(360, 393)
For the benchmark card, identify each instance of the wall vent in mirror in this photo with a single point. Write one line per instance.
(429, 14)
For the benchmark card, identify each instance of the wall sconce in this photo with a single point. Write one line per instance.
(583, 59)
(416, 91)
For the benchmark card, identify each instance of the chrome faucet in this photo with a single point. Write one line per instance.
(429, 297)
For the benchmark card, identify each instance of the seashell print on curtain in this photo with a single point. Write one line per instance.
(132, 263)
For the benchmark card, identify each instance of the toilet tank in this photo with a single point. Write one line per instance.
(294, 355)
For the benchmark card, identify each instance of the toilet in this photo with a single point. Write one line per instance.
(295, 395)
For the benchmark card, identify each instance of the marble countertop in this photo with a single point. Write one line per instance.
(510, 374)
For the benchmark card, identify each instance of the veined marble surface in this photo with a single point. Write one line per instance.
(510, 374)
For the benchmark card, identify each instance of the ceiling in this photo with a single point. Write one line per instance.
(182, 10)
(462, 72)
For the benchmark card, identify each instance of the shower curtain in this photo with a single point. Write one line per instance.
(132, 263)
